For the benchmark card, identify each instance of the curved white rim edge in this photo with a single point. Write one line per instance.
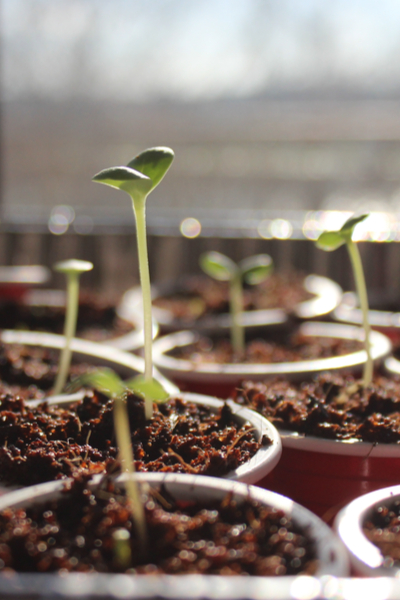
(262, 463)
(380, 347)
(24, 275)
(327, 297)
(329, 549)
(348, 311)
(365, 556)
(86, 348)
(297, 441)
(392, 365)
(132, 340)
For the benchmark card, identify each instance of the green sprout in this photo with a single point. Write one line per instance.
(108, 382)
(122, 549)
(72, 269)
(331, 240)
(252, 270)
(142, 174)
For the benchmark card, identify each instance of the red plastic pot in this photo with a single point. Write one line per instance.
(15, 281)
(50, 299)
(220, 379)
(386, 321)
(324, 475)
(257, 467)
(326, 295)
(332, 560)
(366, 558)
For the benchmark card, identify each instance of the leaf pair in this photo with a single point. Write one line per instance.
(109, 383)
(253, 270)
(141, 175)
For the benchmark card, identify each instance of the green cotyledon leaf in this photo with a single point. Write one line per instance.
(330, 240)
(148, 388)
(256, 269)
(153, 162)
(133, 182)
(218, 266)
(348, 227)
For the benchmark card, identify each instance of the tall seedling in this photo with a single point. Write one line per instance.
(73, 269)
(331, 240)
(142, 174)
(252, 270)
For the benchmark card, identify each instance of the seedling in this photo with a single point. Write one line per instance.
(331, 240)
(253, 270)
(110, 384)
(73, 269)
(142, 174)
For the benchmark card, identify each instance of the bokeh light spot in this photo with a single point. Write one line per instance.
(190, 227)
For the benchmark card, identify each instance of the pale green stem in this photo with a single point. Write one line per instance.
(363, 298)
(139, 209)
(71, 318)
(236, 308)
(123, 435)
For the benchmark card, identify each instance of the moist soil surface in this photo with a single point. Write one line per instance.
(329, 406)
(97, 318)
(80, 533)
(199, 296)
(47, 442)
(283, 347)
(31, 371)
(382, 528)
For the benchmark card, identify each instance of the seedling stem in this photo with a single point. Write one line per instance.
(363, 298)
(123, 435)
(142, 174)
(236, 309)
(72, 269)
(331, 240)
(139, 209)
(254, 270)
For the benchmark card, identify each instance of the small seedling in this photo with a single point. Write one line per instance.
(331, 240)
(142, 174)
(108, 382)
(252, 270)
(73, 269)
(122, 549)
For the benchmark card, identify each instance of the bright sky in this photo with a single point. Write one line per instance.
(191, 49)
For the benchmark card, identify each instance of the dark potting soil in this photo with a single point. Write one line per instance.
(97, 318)
(47, 442)
(31, 370)
(285, 348)
(382, 528)
(318, 408)
(78, 533)
(200, 296)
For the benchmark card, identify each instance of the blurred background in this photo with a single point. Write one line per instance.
(283, 114)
